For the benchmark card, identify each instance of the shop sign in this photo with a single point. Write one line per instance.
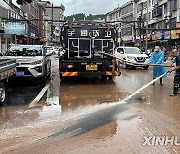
(178, 26)
(159, 35)
(174, 35)
(153, 37)
(13, 27)
(167, 35)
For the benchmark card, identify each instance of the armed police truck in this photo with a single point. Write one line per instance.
(87, 47)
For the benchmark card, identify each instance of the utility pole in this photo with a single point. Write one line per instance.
(141, 25)
(52, 11)
(146, 46)
(134, 29)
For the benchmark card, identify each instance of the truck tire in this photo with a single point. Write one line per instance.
(2, 92)
(112, 78)
(62, 78)
(103, 77)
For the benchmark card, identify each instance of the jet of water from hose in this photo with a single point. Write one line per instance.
(139, 90)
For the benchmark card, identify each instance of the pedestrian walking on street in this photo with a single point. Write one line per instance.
(157, 57)
(165, 53)
(176, 82)
(143, 50)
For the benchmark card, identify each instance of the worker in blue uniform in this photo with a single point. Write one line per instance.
(157, 57)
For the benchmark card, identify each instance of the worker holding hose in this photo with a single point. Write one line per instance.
(157, 57)
(176, 82)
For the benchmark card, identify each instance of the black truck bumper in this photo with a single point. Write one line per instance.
(89, 74)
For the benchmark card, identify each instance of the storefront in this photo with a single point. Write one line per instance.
(5, 40)
(178, 33)
(175, 38)
(127, 41)
(168, 39)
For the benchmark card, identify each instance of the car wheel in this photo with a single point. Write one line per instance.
(133, 67)
(146, 67)
(2, 92)
(112, 78)
(42, 79)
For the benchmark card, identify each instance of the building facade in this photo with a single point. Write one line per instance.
(161, 19)
(35, 24)
(31, 14)
(155, 21)
(9, 11)
(55, 18)
(124, 15)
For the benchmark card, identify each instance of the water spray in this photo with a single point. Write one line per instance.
(139, 90)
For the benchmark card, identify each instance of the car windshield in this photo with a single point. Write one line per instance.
(49, 48)
(24, 51)
(132, 51)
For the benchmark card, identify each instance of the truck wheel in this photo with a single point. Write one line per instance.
(62, 78)
(103, 77)
(2, 92)
(112, 78)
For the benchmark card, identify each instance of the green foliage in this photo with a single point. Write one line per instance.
(82, 16)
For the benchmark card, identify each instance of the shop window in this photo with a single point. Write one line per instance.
(173, 22)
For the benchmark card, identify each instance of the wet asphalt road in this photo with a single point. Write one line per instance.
(87, 116)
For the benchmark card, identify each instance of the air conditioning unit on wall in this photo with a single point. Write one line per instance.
(168, 14)
(155, 4)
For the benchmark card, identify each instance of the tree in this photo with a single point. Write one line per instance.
(82, 16)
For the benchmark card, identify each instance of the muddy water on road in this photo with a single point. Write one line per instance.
(84, 117)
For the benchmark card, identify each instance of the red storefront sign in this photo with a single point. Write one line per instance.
(178, 26)
(153, 37)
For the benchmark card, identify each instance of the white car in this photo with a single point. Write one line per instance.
(50, 49)
(131, 57)
(33, 60)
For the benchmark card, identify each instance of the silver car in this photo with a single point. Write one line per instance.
(33, 60)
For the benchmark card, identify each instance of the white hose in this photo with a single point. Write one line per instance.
(139, 90)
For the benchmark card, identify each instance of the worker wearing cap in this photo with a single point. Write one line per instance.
(157, 57)
(175, 54)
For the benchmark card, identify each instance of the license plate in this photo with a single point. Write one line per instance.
(91, 67)
(20, 73)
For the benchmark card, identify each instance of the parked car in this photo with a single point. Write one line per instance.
(56, 50)
(53, 50)
(131, 57)
(61, 52)
(49, 49)
(33, 60)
